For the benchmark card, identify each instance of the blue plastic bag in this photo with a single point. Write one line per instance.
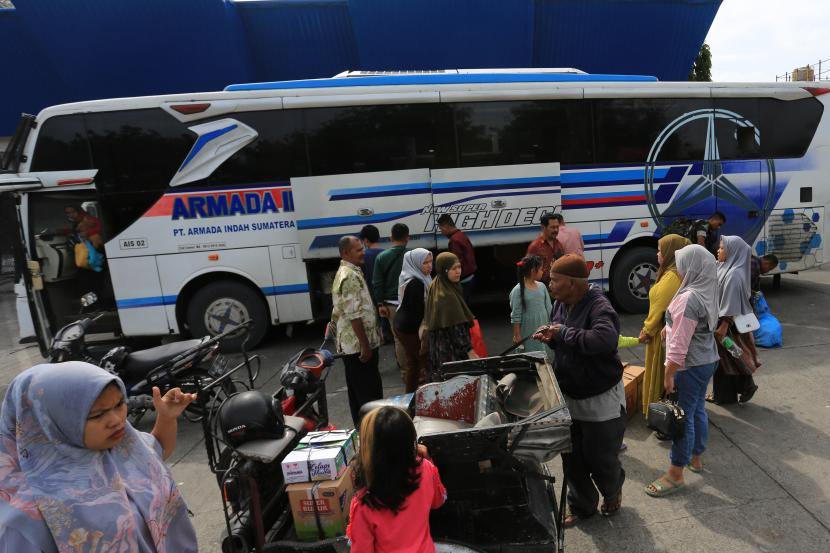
(96, 258)
(759, 303)
(769, 334)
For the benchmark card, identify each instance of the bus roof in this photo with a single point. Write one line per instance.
(442, 78)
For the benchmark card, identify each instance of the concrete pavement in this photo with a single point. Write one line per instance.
(767, 479)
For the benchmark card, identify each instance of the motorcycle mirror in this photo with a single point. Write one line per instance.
(88, 299)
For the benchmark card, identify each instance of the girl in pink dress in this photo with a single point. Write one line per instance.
(397, 487)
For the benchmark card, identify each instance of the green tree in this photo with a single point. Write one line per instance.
(702, 68)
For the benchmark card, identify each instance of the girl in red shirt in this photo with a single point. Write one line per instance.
(397, 487)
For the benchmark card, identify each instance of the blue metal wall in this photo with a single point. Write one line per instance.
(60, 51)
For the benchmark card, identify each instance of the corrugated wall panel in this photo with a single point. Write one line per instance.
(103, 48)
(63, 50)
(296, 40)
(438, 34)
(658, 38)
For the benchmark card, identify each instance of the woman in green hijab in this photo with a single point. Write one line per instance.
(659, 297)
(447, 317)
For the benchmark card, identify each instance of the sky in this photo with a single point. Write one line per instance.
(755, 40)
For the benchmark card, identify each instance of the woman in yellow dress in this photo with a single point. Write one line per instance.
(659, 297)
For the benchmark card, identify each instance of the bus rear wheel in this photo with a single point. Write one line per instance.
(220, 306)
(634, 273)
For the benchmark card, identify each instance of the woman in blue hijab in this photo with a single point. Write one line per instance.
(75, 476)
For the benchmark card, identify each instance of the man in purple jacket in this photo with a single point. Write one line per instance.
(584, 333)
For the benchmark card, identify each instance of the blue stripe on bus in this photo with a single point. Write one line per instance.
(445, 78)
(489, 183)
(330, 240)
(569, 179)
(619, 232)
(204, 139)
(151, 301)
(285, 289)
(375, 191)
(305, 224)
(156, 301)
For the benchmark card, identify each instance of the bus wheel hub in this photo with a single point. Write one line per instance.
(640, 280)
(225, 313)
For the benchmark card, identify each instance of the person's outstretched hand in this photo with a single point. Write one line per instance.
(173, 403)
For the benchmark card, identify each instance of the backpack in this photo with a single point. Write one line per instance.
(688, 228)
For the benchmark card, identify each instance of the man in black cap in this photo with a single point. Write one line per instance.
(584, 333)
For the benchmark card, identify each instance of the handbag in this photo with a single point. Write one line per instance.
(746, 323)
(667, 417)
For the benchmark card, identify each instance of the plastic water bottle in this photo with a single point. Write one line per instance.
(731, 346)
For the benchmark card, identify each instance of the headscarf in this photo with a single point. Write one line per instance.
(413, 260)
(667, 246)
(64, 497)
(734, 278)
(445, 303)
(696, 266)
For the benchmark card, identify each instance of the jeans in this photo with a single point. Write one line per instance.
(690, 385)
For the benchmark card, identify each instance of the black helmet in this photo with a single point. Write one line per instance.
(251, 415)
(114, 359)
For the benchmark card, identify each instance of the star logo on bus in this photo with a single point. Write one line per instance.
(712, 181)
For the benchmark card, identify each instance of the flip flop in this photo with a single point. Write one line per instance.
(694, 470)
(612, 507)
(663, 487)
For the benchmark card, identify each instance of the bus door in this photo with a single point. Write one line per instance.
(329, 207)
(29, 266)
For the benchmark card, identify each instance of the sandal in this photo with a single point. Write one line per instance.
(663, 487)
(694, 469)
(611, 507)
(572, 519)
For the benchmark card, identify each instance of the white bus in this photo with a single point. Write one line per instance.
(223, 206)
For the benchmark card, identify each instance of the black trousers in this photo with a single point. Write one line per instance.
(594, 464)
(363, 382)
(726, 388)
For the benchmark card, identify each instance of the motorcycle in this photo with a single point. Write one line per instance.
(303, 379)
(249, 474)
(188, 364)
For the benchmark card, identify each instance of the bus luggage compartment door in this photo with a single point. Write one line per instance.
(329, 207)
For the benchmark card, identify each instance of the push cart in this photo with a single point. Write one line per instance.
(501, 495)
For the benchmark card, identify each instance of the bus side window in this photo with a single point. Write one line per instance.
(62, 145)
(136, 153)
(625, 129)
(788, 127)
(736, 134)
(506, 133)
(277, 154)
(361, 139)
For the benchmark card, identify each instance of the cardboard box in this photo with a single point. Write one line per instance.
(633, 382)
(321, 456)
(349, 439)
(331, 499)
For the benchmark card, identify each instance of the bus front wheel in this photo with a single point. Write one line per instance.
(634, 273)
(220, 306)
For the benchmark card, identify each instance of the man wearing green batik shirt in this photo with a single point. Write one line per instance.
(356, 324)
